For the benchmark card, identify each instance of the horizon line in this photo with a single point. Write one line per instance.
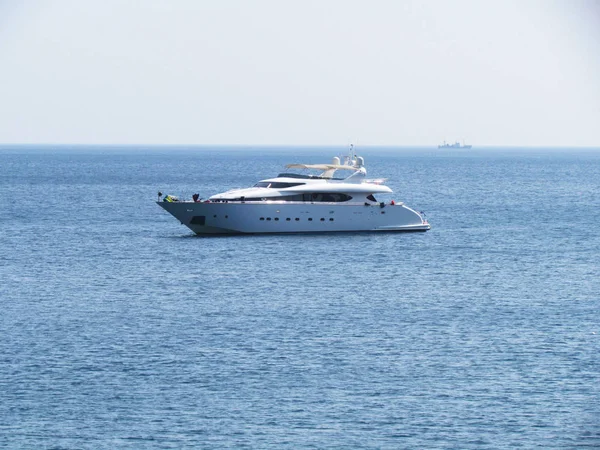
(404, 146)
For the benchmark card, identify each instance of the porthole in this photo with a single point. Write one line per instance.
(288, 219)
(297, 219)
(215, 216)
(262, 218)
(276, 219)
(227, 217)
(310, 219)
(322, 219)
(331, 219)
(268, 218)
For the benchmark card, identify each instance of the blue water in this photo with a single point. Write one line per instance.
(120, 329)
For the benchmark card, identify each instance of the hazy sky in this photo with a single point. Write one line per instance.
(331, 72)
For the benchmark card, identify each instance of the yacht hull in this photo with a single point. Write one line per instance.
(285, 217)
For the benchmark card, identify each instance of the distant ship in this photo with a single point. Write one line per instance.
(455, 145)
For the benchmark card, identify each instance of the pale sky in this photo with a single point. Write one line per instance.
(277, 72)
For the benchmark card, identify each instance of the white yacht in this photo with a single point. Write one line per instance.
(295, 202)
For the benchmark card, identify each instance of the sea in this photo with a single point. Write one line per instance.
(121, 329)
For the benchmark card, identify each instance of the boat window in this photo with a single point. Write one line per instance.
(320, 197)
(276, 184)
(327, 197)
(371, 197)
(285, 185)
(316, 197)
